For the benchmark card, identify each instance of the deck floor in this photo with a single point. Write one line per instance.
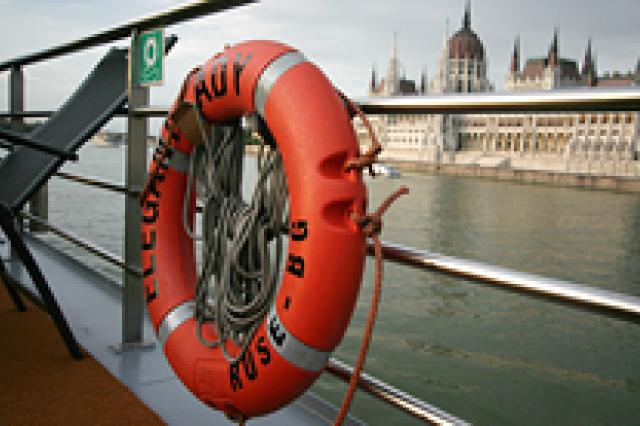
(41, 384)
(51, 388)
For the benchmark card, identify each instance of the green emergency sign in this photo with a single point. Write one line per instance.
(151, 52)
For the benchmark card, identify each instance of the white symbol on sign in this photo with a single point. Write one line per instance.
(150, 51)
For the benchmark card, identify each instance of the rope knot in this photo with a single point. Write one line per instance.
(367, 159)
(370, 224)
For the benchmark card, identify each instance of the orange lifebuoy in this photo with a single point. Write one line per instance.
(319, 287)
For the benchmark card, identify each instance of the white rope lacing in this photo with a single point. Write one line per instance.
(239, 275)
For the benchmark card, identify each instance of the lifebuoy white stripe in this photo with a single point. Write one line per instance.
(271, 74)
(286, 344)
(290, 348)
(179, 161)
(174, 319)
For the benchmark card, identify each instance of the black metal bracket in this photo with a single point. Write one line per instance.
(8, 226)
(18, 139)
(6, 145)
(13, 292)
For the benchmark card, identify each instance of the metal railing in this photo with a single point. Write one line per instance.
(591, 99)
(597, 300)
(109, 186)
(622, 99)
(133, 305)
(578, 295)
(87, 245)
(394, 396)
(368, 383)
(168, 17)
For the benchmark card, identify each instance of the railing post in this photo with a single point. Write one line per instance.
(39, 203)
(16, 105)
(16, 98)
(133, 293)
(39, 206)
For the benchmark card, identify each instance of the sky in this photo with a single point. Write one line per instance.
(344, 37)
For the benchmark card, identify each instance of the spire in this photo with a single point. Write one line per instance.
(552, 58)
(423, 81)
(515, 59)
(466, 20)
(394, 53)
(374, 79)
(391, 82)
(588, 66)
(445, 58)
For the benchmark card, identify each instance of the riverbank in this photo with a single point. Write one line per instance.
(504, 172)
(578, 180)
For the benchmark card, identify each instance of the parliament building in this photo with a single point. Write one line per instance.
(596, 143)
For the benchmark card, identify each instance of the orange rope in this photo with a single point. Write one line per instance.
(368, 158)
(371, 225)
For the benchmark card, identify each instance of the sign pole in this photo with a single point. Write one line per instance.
(133, 304)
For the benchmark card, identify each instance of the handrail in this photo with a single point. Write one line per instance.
(168, 17)
(590, 298)
(151, 111)
(588, 99)
(26, 114)
(69, 236)
(109, 186)
(585, 100)
(394, 396)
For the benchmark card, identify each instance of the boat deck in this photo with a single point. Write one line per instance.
(42, 384)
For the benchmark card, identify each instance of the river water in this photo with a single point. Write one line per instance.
(485, 355)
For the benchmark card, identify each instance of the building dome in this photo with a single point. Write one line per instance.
(465, 43)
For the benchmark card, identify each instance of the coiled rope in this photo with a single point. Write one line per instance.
(239, 275)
